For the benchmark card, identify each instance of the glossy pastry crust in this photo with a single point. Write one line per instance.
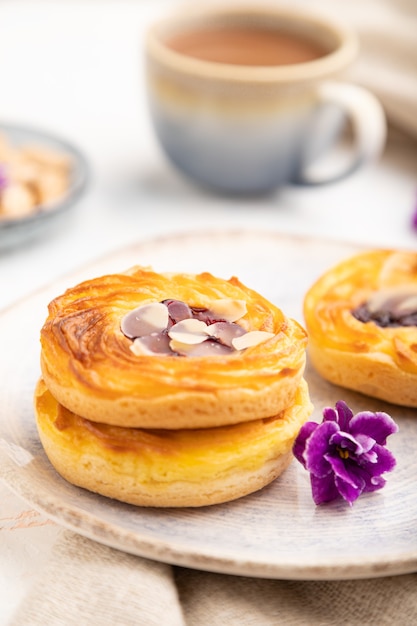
(168, 468)
(364, 356)
(89, 367)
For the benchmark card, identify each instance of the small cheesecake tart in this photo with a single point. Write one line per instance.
(169, 468)
(361, 319)
(111, 353)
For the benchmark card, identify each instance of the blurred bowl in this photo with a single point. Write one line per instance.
(18, 230)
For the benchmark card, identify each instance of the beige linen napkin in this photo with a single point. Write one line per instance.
(88, 584)
(387, 63)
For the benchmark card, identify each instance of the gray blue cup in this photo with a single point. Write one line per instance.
(249, 129)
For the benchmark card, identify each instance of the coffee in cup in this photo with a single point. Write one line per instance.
(246, 45)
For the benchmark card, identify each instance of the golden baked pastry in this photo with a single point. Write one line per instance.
(95, 369)
(166, 468)
(361, 318)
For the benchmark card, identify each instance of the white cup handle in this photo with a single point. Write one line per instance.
(368, 122)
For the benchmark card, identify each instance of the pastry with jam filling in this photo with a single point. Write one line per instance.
(361, 319)
(170, 389)
(98, 366)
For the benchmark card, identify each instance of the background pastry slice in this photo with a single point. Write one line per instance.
(361, 318)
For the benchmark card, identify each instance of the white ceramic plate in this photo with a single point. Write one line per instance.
(15, 232)
(277, 532)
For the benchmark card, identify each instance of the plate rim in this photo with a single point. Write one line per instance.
(111, 535)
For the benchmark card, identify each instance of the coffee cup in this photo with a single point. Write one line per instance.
(246, 98)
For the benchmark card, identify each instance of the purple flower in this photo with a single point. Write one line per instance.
(3, 178)
(414, 217)
(345, 454)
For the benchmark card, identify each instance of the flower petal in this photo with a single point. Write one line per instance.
(347, 442)
(349, 492)
(366, 442)
(375, 483)
(301, 440)
(368, 457)
(329, 414)
(346, 470)
(369, 483)
(376, 425)
(344, 414)
(317, 446)
(385, 461)
(323, 489)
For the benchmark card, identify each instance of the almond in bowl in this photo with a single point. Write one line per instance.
(41, 176)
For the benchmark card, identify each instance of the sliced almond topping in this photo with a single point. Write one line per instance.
(210, 347)
(399, 268)
(189, 331)
(225, 332)
(408, 305)
(139, 348)
(156, 343)
(228, 309)
(250, 339)
(398, 299)
(146, 319)
(184, 349)
(178, 310)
